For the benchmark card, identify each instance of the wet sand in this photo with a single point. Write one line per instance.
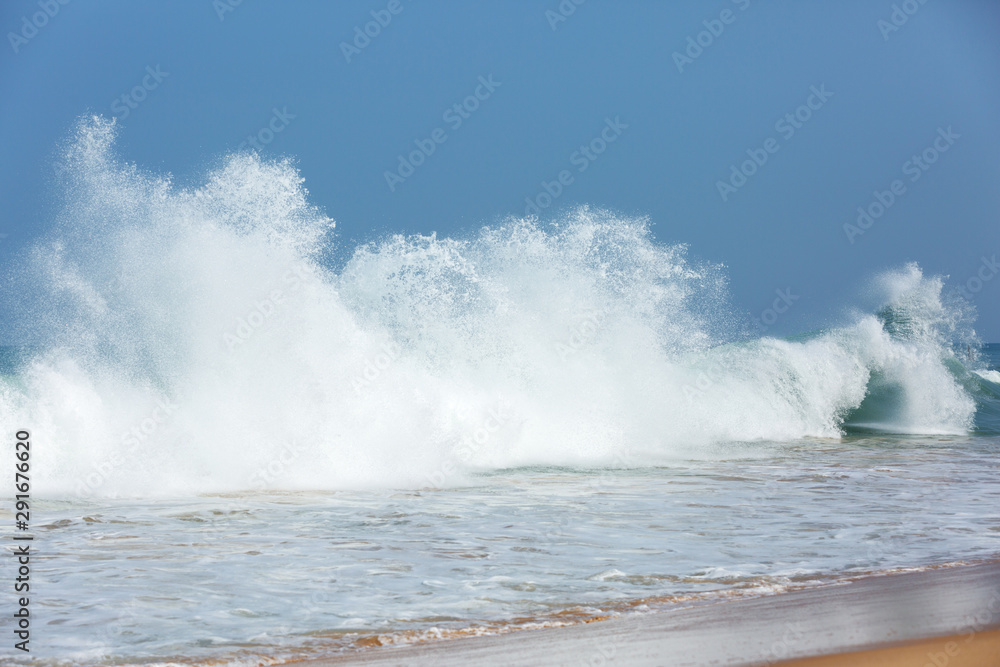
(979, 650)
(942, 617)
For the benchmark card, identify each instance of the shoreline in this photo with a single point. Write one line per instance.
(881, 619)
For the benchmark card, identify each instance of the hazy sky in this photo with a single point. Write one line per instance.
(646, 106)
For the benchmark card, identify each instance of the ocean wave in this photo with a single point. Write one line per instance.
(187, 340)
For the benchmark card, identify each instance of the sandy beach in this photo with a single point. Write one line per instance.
(942, 617)
(954, 651)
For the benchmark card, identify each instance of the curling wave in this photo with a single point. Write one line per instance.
(187, 340)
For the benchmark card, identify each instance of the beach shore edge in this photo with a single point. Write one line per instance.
(940, 616)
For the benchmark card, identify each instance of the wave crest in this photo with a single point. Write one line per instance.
(193, 340)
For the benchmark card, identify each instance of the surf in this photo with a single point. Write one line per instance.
(209, 338)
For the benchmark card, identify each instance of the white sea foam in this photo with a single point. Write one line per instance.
(197, 339)
(992, 376)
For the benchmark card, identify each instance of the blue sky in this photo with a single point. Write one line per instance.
(870, 90)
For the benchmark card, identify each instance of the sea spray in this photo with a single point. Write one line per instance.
(598, 340)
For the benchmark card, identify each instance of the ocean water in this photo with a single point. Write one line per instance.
(250, 444)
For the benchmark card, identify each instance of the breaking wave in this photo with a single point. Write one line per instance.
(193, 339)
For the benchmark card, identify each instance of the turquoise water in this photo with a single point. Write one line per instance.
(988, 416)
